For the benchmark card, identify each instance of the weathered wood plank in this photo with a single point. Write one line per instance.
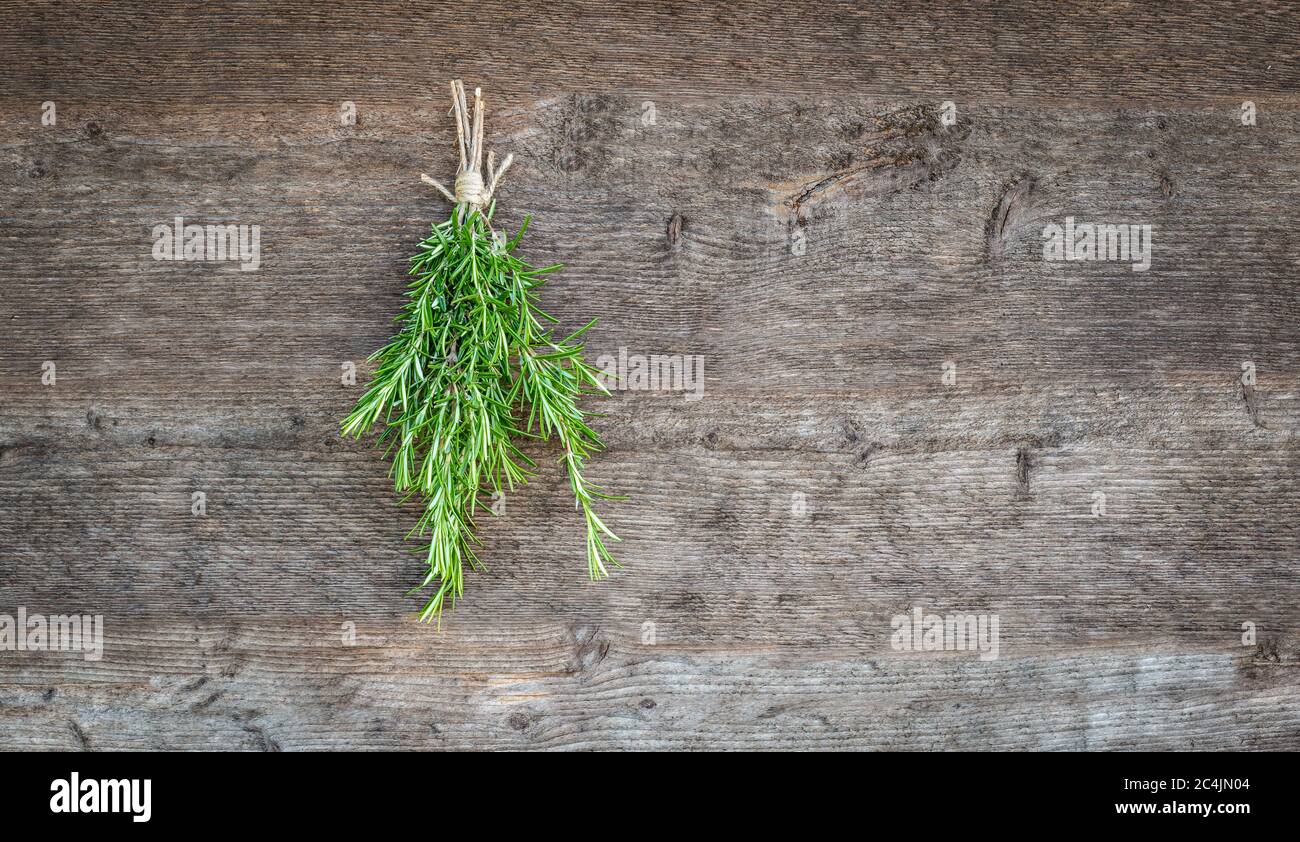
(823, 378)
(222, 686)
(386, 51)
(906, 244)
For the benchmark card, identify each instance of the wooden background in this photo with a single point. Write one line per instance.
(823, 374)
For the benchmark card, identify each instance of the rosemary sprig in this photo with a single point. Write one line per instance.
(472, 369)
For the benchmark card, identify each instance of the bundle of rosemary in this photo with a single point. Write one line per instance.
(472, 369)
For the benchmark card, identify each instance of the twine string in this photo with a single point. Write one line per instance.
(470, 187)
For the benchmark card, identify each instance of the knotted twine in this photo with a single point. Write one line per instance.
(470, 187)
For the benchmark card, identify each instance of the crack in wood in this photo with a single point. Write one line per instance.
(1252, 406)
(1006, 217)
(1024, 463)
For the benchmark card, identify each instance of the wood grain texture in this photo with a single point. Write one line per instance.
(387, 51)
(823, 376)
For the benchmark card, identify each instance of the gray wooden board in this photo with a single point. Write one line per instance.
(798, 214)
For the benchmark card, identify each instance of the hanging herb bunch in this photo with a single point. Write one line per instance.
(474, 369)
